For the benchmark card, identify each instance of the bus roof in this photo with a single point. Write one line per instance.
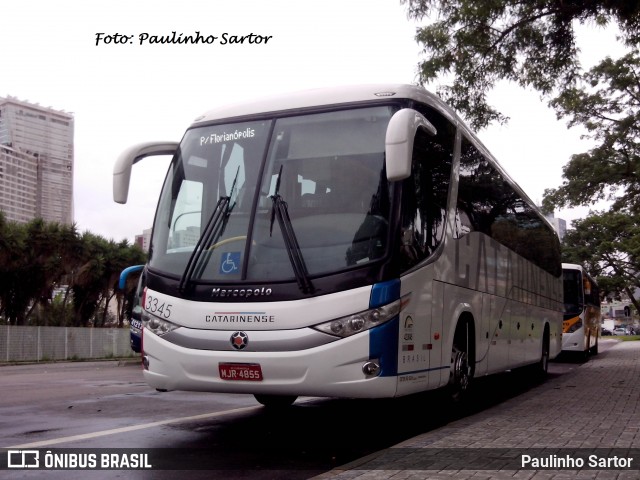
(572, 266)
(325, 97)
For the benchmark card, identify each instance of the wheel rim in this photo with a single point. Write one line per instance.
(461, 371)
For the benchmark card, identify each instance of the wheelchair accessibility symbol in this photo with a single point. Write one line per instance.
(230, 263)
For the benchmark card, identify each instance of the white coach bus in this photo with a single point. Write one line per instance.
(581, 326)
(344, 242)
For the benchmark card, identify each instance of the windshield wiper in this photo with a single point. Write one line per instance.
(280, 211)
(210, 236)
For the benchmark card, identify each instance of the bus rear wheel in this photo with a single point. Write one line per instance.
(275, 401)
(543, 363)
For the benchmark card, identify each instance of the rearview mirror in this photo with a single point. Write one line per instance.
(122, 168)
(401, 132)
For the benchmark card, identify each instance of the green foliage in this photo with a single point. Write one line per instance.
(37, 257)
(608, 107)
(473, 45)
(532, 44)
(54, 313)
(608, 245)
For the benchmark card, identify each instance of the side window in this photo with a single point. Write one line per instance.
(483, 199)
(493, 207)
(592, 293)
(425, 193)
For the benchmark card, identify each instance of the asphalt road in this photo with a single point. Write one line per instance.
(107, 405)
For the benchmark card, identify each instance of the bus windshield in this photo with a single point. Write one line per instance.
(573, 297)
(216, 210)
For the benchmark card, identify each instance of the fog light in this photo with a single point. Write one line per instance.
(145, 362)
(371, 369)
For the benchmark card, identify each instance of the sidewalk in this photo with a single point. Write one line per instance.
(591, 409)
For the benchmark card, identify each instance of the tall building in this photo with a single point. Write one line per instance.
(143, 240)
(559, 224)
(36, 162)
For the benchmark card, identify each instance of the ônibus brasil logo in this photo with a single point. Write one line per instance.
(239, 340)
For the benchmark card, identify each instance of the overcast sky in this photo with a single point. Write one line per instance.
(123, 94)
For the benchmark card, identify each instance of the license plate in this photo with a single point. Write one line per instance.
(240, 371)
(136, 324)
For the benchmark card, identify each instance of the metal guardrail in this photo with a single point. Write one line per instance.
(26, 343)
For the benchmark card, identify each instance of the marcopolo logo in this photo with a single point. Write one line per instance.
(241, 292)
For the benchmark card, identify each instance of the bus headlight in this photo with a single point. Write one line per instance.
(361, 321)
(575, 326)
(159, 326)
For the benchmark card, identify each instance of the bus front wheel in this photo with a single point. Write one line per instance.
(275, 401)
(462, 365)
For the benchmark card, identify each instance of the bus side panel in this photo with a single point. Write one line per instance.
(517, 347)
(484, 335)
(440, 376)
(518, 298)
(555, 331)
(418, 351)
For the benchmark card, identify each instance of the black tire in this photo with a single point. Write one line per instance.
(275, 401)
(462, 363)
(587, 353)
(542, 368)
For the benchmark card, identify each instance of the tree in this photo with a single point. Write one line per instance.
(97, 277)
(37, 256)
(530, 43)
(608, 245)
(12, 249)
(49, 256)
(608, 107)
(533, 44)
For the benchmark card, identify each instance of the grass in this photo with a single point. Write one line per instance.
(627, 338)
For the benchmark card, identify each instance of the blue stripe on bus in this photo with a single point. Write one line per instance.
(383, 346)
(383, 293)
(383, 340)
